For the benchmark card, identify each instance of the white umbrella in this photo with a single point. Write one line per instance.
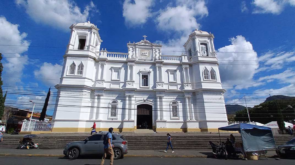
(274, 124)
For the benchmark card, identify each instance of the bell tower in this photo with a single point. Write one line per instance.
(84, 36)
(206, 80)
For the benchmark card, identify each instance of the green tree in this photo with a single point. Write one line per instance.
(1, 92)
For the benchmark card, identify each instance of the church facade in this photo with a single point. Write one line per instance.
(140, 89)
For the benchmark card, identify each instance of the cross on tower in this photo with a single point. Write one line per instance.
(144, 37)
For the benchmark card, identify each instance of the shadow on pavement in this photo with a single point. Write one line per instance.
(208, 154)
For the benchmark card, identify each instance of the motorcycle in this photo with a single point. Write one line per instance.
(27, 143)
(219, 151)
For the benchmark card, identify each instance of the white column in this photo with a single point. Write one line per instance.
(157, 73)
(187, 108)
(128, 72)
(93, 117)
(188, 75)
(158, 108)
(98, 108)
(97, 72)
(102, 71)
(190, 109)
(126, 107)
(131, 72)
(131, 111)
(184, 74)
(160, 74)
(161, 107)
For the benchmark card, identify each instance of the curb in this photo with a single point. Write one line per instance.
(146, 156)
(158, 156)
(32, 155)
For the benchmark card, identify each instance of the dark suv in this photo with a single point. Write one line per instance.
(93, 145)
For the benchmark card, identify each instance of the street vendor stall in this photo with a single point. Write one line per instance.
(255, 139)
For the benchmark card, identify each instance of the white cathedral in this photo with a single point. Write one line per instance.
(141, 89)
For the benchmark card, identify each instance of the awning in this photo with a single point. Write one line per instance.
(243, 126)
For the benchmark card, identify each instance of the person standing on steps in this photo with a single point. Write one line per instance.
(108, 147)
(169, 143)
(93, 129)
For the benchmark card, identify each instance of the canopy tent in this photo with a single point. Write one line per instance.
(255, 138)
(274, 124)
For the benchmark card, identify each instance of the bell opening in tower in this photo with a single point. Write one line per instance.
(82, 43)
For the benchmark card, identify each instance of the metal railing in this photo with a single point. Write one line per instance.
(36, 126)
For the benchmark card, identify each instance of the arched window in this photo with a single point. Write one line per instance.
(72, 68)
(114, 105)
(174, 107)
(206, 74)
(80, 69)
(213, 74)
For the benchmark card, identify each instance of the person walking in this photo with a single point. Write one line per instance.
(93, 129)
(232, 139)
(169, 143)
(1, 136)
(290, 130)
(108, 147)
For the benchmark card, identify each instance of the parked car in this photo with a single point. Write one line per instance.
(93, 145)
(287, 150)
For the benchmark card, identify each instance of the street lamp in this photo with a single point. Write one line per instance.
(247, 110)
(31, 114)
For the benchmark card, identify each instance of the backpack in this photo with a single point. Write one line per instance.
(105, 139)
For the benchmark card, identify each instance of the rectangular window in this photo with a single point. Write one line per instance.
(82, 43)
(113, 111)
(190, 52)
(116, 74)
(174, 111)
(145, 80)
(172, 76)
(204, 50)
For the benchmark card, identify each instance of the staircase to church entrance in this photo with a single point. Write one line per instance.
(144, 131)
(136, 141)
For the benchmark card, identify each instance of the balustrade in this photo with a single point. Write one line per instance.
(117, 55)
(171, 58)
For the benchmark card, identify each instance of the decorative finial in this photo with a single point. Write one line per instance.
(144, 37)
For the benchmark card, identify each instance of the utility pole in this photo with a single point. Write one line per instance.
(31, 115)
(247, 110)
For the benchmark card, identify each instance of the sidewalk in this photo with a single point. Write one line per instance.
(131, 153)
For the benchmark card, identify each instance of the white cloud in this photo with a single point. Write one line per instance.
(238, 63)
(56, 13)
(273, 61)
(244, 7)
(49, 74)
(288, 90)
(182, 17)
(13, 44)
(138, 12)
(288, 76)
(181, 20)
(271, 6)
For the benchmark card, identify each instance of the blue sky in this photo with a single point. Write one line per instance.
(254, 40)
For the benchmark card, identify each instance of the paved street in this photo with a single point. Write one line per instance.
(136, 161)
